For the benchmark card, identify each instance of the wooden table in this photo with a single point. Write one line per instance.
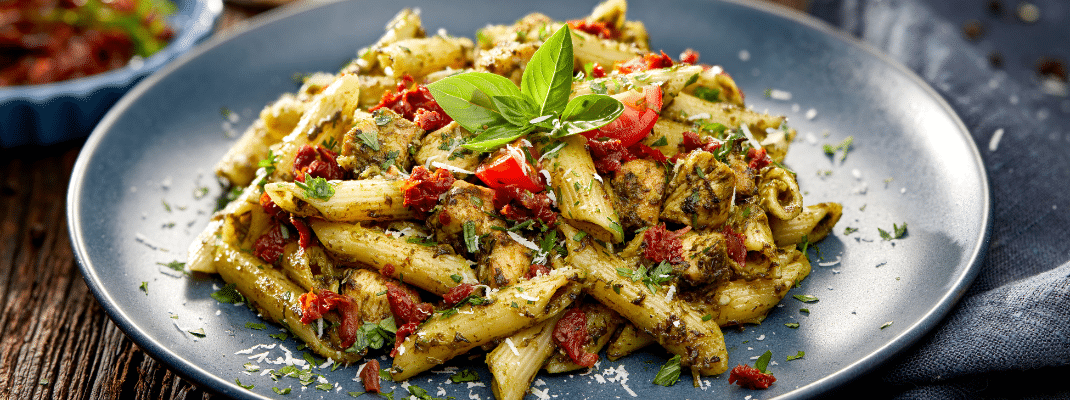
(57, 341)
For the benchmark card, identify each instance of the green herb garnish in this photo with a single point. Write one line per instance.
(898, 232)
(805, 298)
(499, 112)
(797, 356)
(762, 363)
(669, 373)
(316, 188)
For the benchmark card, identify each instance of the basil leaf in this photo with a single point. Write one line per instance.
(590, 111)
(495, 136)
(762, 364)
(468, 98)
(517, 110)
(548, 76)
(669, 373)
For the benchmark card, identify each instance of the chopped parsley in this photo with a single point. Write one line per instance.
(280, 336)
(253, 325)
(316, 188)
(792, 325)
(708, 94)
(250, 367)
(144, 287)
(669, 373)
(330, 144)
(845, 146)
(849, 230)
(228, 294)
(464, 375)
(281, 391)
(429, 242)
(898, 232)
(707, 317)
(371, 139)
(174, 265)
(662, 141)
(326, 387)
(247, 387)
(805, 298)
(471, 240)
(797, 356)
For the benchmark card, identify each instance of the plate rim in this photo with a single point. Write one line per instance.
(197, 375)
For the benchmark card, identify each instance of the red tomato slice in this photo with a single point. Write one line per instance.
(509, 167)
(640, 113)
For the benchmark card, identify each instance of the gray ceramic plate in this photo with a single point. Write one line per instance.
(135, 199)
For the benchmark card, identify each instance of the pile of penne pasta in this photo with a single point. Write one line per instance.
(365, 238)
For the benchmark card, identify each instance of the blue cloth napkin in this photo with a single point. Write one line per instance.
(1010, 336)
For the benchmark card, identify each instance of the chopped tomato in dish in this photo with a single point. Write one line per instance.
(597, 28)
(571, 334)
(369, 376)
(409, 100)
(509, 167)
(316, 303)
(645, 63)
(750, 377)
(422, 188)
(641, 111)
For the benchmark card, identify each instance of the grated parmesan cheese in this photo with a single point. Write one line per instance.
(451, 168)
(512, 347)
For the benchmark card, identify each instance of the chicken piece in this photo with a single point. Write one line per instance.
(746, 177)
(365, 287)
(706, 259)
(700, 192)
(444, 146)
(502, 259)
(378, 141)
(640, 186)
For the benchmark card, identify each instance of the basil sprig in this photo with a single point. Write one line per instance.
(499, 112)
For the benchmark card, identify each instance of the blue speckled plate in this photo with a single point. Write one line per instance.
(50, 113)
(134, 197)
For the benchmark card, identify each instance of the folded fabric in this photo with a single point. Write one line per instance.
(1014, 323)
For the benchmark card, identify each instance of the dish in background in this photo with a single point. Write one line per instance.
(53, 112)
(911, 161)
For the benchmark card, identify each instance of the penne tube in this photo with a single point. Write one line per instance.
(628, 340)
(510, 310)
(276, 297)
(688, 108)
(780, 194)
(418, 57)
(581, 192)
(515, 361)
(811, 225)
(678, 327)
(601, 323)
(428, 268)
(353, 201)
(329, 114)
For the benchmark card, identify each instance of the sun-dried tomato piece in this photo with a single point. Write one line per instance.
(536, 270)
(457, 293)
(644, 63)
(521, 205)
(273, 209)
(758, 158)
(408, 311)
(431, 120)
(317, 162)
(640, 150)
(304, 234)
(369, 376)
(597, 28)
(269, 246)
(409, 99)
(571, 334)
(689, 56)
(660, 244)
(422, 188)
(734, 242)
(750, 377)
(608, 155)
(316, 303)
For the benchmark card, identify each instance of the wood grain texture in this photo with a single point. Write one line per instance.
(57, 341)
